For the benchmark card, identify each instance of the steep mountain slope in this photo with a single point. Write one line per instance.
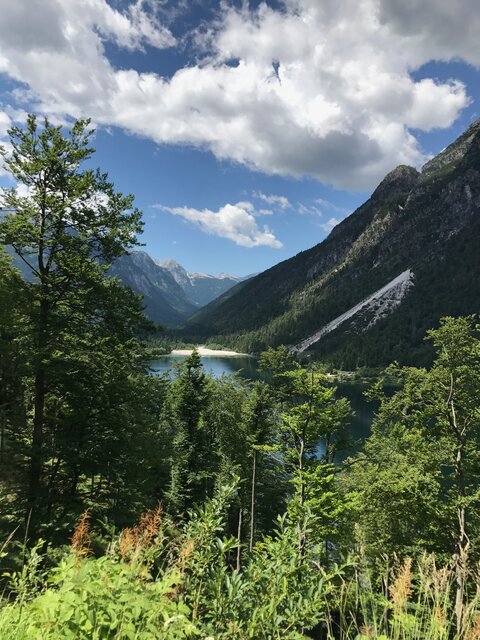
(426, 223)
(170, 293)
(165, 301)
(200, 288)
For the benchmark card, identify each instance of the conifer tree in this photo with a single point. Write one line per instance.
(186, 402)
(68, 224)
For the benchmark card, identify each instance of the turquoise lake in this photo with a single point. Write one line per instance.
(247, 367)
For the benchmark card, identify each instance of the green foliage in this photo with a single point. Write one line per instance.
(76, 374)
(216, 346)
(83, 425)
(185, 403)
(12, 368)
(418, 473)
(158, 582)
(160, 344)
(275, 364)
(396, 489)
(104, 599)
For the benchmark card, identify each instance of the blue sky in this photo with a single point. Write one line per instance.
(245, 130)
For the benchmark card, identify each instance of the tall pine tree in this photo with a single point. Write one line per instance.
(68, 223)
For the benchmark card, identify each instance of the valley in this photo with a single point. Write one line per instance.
(239, 320)
(362, 297)
(347, 290)
(103, 413)
(171, 294)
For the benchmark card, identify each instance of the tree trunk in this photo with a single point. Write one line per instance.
(252, 506)
(461, 552)
(301, 532)
(239, 537)
(37, 437)
(35, 472)
(301, 451)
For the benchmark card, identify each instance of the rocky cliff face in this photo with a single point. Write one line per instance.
(449, 157)
(427, 222)
(200, 288)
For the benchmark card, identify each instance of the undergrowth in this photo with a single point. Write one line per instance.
(161, 581)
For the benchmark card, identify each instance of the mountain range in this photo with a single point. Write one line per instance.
(200, 288)
(171, 294)
(367, 294)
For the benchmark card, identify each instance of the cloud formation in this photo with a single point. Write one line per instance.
(319, 88)
(281, 202)
(232, 221)
(328, 226)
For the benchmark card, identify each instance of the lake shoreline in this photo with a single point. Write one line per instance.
(205, 352)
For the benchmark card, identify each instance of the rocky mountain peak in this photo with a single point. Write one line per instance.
(200, 288)
(452, 154)
(179, 273)
(401, 180)
(168, 262)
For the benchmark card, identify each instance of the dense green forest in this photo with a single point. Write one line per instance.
(183, 506)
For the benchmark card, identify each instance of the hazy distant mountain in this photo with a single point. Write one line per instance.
(367, 294)
(165, 300)
(200, 288)
(171, 294)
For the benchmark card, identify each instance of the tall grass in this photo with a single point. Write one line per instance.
(406, 601)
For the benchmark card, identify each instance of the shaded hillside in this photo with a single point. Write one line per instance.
(426, 222)
(165, 301)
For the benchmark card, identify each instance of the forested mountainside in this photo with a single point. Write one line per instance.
(200, 288)
(427, 223)
(165, 301)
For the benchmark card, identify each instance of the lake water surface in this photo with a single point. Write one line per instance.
(247, 367)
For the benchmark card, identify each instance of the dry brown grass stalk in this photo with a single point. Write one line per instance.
(474, 631)
(401, 589)
(133, 540)
(81, 543)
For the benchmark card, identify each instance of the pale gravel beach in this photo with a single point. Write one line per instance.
(203, 351)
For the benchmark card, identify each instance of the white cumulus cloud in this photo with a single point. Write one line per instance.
(232, 221)
(320, 89)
